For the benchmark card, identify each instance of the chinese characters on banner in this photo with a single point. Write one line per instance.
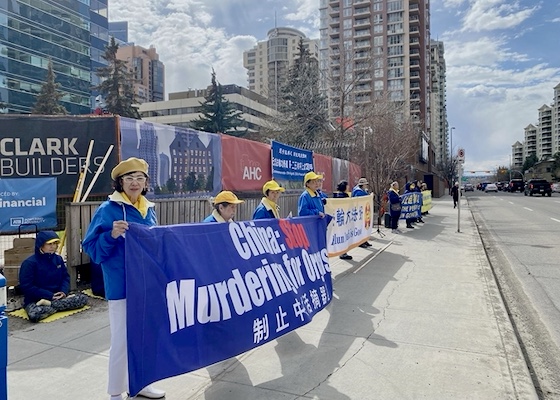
(201, 293)
(290, 163)
(352, 223)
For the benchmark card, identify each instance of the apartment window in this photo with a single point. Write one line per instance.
(378, 41)
(378, 29)
(378, 85)
(347, 3)
(395, 39)
(395, 84)
(395, 61)
(395, 17)
(395, 50)
(347, 23)
(378, 73)
(347, 33)
(395, 28)
(347, 12)
(378, 7)
(378, 19)
(394, 5)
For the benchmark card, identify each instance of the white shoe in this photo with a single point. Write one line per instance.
(151, 392)
(116, 397)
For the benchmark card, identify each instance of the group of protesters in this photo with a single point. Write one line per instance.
(394, 201)
(104, 243)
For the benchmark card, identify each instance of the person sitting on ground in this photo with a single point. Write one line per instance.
(225, 206)
(310, 201)
(45, 282)
(394, 206)
(361, 190)
(268, 207)
(341, 193)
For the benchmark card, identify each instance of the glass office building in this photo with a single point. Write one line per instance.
(66, 32)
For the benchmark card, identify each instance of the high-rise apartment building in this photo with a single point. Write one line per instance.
(34, 32)
(438, 109)
(119, 30)
(381, 48)
(149, 72)
(269, 61)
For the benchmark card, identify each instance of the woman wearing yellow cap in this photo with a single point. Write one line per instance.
(268, 207)
(225, 205)
(310, 202)
(104, 243)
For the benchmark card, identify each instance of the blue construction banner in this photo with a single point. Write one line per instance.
(27, 201)
(290, 163)
(198, 294)
(411, 205)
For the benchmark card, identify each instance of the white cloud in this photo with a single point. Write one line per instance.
(486, 15)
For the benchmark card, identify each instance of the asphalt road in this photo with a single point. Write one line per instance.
(521, 237)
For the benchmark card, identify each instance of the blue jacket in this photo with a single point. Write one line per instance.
(310, 205)
(103, 249)
(358, 191)
(263, 211)
(394, 198)
(42, 275)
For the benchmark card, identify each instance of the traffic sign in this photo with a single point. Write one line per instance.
(461, 155)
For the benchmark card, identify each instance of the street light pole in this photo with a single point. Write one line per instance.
(451, 156)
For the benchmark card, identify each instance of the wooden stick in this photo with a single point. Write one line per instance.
(109, 150)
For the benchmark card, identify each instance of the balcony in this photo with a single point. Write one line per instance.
(414, 53)
(334, 11)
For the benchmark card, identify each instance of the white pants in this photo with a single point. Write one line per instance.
(118, 357)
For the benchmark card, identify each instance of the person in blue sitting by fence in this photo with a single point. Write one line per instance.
(268, 207)
(45, 282)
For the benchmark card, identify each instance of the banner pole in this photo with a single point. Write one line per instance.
(109, 150)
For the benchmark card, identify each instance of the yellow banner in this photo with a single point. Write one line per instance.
(426, 201)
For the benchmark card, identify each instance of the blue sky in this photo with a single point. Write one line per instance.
(502, 55)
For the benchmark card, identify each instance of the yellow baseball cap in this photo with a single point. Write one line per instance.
(131, 164)
(226, 196)
(272, 185)
(310, 176)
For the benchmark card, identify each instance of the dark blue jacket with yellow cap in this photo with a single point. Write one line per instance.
(42, 274)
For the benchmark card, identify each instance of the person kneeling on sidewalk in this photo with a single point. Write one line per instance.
(45, 282)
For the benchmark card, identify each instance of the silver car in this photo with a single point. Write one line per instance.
(491, 187)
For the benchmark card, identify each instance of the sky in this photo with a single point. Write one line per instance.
(502, 56)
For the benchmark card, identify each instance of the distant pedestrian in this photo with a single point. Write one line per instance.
(455, 194)
(341, 193)
(394, 206)
(361, 189)
(225, 206)
(268, 207)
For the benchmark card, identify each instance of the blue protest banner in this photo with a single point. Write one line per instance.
(290, 163)
(27, 201)
(201, 293)
(411, 204)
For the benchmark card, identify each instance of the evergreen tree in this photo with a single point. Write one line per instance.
(116, 85)
(218, 114)
(302, 113)
(49, 97)
(530, 161)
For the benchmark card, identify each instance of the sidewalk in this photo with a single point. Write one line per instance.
(415, 316)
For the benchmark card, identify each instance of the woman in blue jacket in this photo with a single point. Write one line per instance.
(394, 206)
(104, 243)
(268, 207)
(45, 282)
(310, 201)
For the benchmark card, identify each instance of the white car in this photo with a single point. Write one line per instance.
(491, 187)
(556, 187)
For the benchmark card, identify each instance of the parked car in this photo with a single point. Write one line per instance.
(491, 187)
(555, 187)
(483, 186)
(469, 187)
(499, 185)
(538, 186)
(516, 185)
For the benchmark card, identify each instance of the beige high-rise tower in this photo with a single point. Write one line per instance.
(269, 61)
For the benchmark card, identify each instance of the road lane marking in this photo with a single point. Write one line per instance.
(510, 202)
(527, 208)
(554, 219)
